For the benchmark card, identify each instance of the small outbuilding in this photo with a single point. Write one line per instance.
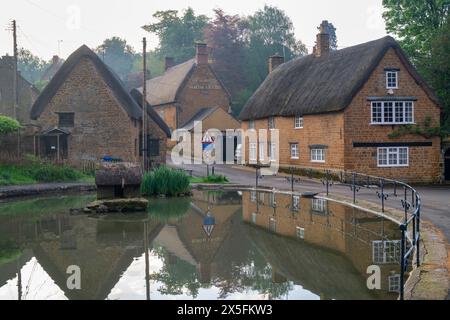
(118, 180)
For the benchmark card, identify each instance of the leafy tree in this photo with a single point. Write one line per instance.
(8, 125)
(118, 55)
(423, 31)
(177, 34)
(30, 66)
(224, 35)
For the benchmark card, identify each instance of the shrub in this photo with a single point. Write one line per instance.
(166, 181)
(216, 179)
(8, 125)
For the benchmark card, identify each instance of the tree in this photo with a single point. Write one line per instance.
(423, 31)
(224, 35)
(8, 125)
(118, 55)
(31, 67)
(177, 34)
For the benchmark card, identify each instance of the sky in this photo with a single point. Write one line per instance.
(49, 27)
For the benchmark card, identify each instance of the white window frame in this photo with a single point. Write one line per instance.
(383, 105)
(252, 196)
(300, 232)
(389, 73)
(384, 257)
(295, 152)
(317, 156)
(272, 224)
(272, 200)
(271, 123)
(395, 153)
(261, 197)
(251, 124)
(253, 217)
(252, 151)
(298, 122)
(318, 205)
(394, 283)
(262, 151)
(271, 151)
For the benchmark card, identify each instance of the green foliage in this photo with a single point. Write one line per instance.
(165, 181)
(35, 171)
(426, 131)
(118, 55)
(423, 29)
(177, 34)
(8, 125)
(210, 179)
(31, 67)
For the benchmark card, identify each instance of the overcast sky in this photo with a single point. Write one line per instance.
(43, 23)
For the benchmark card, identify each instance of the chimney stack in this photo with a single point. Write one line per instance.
(201, 55)
(169, 62)
(323, 40)
(275, 61)
(55, 59)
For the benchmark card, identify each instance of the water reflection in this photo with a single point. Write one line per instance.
(225, 245)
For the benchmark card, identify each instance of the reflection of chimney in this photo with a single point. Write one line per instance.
(169, 62)
(55, 59)
(204, 272)
(275, 61)
(323, 40)
(201, 53)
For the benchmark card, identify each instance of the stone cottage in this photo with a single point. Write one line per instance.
(85, 113)
(186, 88)
(348, 109)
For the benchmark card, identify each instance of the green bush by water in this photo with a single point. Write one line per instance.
(210, 179)
(165, 181)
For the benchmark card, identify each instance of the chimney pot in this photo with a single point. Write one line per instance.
(275, 61)
(169, 62)
(55, 59)
(201, 55)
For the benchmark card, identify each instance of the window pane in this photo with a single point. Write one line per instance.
(376, 112)
(399, 112)
(403, 156)
(382, 156)
(408, 112)
(388, 112)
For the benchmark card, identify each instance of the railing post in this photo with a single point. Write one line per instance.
(418, 232)
(402, 262)
(256, 185)
(382, 195)
(292, 180)
(354, 186)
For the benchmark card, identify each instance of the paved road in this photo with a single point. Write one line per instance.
(435, 199)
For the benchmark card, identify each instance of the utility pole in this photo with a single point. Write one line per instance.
(144, 105)
(15, 86)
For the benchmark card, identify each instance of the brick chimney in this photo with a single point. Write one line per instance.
(201, 53)
(275, 61)
(169, 62)
(55, 59)
(323, 40)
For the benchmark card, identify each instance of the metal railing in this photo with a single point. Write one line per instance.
(409, 199)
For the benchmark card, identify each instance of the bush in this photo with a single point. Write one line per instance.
(8, 125)
(165, 181)
(216, 179)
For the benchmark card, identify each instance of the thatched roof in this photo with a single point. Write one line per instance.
(137, 96)
(114, 173)
(113, 82)
(164, 89)
(312, 85)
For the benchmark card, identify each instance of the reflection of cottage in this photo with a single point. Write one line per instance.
(85, 113)
(118, 180)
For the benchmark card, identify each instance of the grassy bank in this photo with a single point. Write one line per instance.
(34, 171)
(209, 179)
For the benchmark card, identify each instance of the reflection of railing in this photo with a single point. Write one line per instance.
(410, 202)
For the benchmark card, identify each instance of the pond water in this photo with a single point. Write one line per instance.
(213, 245)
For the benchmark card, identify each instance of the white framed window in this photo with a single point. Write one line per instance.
(298, 122)
(393, 157)
(271, 123)
(252, 151)
(294, 151)
(262, 150)
(300, 232)
(251, 124)
(272, 224)
(318, 205)
(271, 151)
(391, 79)
(387, 251)
(272, 200)
(261, 197)
(254, 217)
(317, 155)
(394, 283)
(388, 112)
(253, 196)
(295, 202)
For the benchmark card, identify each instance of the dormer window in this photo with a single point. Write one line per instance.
(391, 78)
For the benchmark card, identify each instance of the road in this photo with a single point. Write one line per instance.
(435, 199)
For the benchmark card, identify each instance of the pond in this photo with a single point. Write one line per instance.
(213, 245)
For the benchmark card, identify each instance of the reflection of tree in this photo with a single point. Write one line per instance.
(8, 251)
(176, 275)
